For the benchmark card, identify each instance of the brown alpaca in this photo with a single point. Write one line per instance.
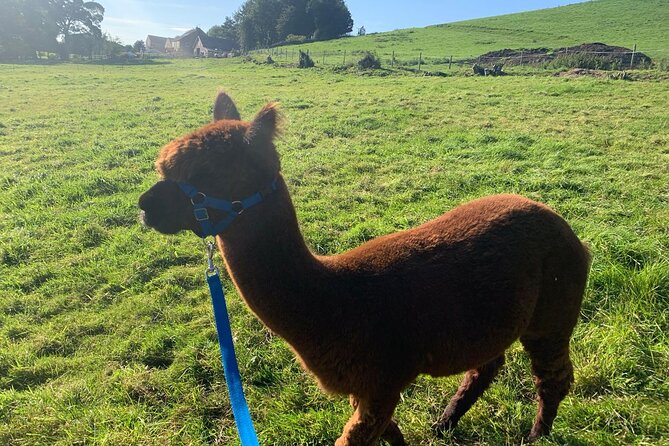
(446, 297)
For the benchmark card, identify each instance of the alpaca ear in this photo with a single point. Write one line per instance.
(224, 108)
(265, 126)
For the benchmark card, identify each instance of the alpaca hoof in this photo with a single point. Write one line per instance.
(535, 435)
(444, 425)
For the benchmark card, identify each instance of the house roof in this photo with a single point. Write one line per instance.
(156, 39)
(190, 37)
(188, 33)
(214, 43)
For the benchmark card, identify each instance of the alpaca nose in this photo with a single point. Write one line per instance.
(149, 206)
(147, 201)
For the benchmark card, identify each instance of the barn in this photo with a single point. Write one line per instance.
(196, 43)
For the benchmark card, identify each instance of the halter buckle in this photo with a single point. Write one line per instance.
(201, 214)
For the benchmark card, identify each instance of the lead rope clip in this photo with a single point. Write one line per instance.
(210, 248)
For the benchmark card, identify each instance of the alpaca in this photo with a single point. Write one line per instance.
(446, 297)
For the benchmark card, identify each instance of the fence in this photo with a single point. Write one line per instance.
(421, 61)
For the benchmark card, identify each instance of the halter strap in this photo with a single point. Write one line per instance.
(201, 202)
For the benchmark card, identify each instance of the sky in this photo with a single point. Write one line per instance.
(132, 20)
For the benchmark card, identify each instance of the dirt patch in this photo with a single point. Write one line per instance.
(596, 54)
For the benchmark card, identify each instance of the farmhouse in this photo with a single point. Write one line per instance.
(155, 43)
(193, 43)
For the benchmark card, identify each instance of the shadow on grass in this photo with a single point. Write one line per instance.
(112, 62)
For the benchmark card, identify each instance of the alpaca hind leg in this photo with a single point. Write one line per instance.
(392, 435)
(553, 375)
(475, 382)
(372, 420)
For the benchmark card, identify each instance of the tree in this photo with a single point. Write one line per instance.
(111, 46)
(294, 20)
(77, 17)
(261, 23)
(258, 23)
(362, 31)
(229, 30)
(139, 46)
(26, 26)
(332, 18)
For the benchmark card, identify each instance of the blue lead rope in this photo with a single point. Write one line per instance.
(231, 209)
(240, 408)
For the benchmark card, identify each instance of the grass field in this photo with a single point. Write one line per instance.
(106, 331)
(614, 22)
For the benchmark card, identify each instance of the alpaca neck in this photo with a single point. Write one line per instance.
(270, 263)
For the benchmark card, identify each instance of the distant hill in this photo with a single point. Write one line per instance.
(615, 22)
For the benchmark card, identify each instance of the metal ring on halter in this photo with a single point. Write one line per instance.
(237, 207)
(199, 194)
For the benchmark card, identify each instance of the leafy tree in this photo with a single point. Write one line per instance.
(111, 46)
(260, 23)
(331, 18)
(26, 26)
(229, 30)
(77, 17)
(139, 46)
(294, 20)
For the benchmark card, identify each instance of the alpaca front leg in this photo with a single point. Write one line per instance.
(371, 420)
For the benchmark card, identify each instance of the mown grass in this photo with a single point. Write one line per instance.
(106, 332)
(614, 22)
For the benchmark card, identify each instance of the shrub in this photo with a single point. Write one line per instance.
(293, 38)
(662, 64)
(305, 60)
(588, 61)
(368, 61)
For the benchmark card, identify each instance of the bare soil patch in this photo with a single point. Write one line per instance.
(613, 55)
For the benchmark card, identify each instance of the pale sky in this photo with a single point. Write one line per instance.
(132, 20)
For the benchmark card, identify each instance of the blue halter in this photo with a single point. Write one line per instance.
(201, 202)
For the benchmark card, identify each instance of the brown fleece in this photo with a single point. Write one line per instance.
(446, 297)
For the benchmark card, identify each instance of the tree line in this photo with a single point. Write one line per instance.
(263, 23)
(56, 26)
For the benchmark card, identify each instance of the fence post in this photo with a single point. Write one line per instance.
(521, 57)
(632, 59)
(344, 57)
(392, 61)
(450, 62)
(420, 60)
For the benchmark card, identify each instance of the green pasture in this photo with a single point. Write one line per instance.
(614, 22)
(106, 329)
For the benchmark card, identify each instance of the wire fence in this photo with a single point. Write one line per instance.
(421, 60)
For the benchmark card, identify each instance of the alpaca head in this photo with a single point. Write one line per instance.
(228, 159)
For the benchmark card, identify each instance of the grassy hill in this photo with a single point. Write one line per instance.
(615, 22)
